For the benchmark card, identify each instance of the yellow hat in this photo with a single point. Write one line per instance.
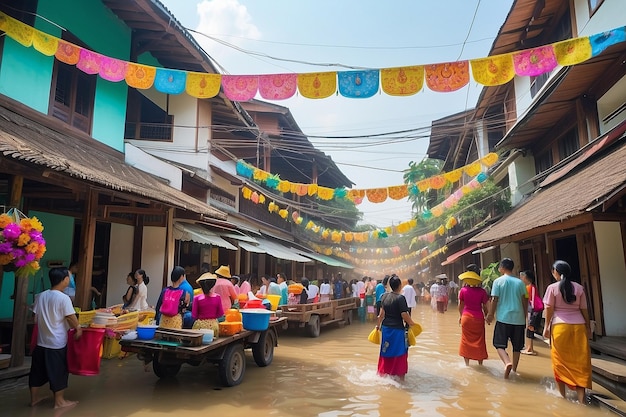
(206, 276)
(223, 271)
(471, 278)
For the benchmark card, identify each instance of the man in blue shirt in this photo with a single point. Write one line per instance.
(509, 303)
(379, 290)
(186, 286)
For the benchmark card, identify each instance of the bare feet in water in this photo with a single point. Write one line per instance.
(65, 403)
(507, 370)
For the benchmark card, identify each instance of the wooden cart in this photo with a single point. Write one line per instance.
(314, 316)
(170, 349)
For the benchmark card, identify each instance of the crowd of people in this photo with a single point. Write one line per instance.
(513, 305)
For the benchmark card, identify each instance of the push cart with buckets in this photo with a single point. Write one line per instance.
(170, 349)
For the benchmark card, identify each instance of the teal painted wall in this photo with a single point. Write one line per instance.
(26, 74)
(58, 232)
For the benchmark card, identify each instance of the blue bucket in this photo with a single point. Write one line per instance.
(257, 319)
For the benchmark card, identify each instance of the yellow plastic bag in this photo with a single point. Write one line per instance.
(413, 332)
(374, 336)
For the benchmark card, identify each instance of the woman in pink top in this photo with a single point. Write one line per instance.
(568, 328)
(472, 308)
(207, 307)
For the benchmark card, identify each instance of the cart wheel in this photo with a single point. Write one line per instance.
(164, 370)
(263, 350)
(347, 317)
(313, 327)
(233, 365)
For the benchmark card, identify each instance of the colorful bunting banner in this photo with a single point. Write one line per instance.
(374, 195)
(398, 81)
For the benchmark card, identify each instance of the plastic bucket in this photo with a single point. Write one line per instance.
(274, 300)
(83, 355)
(256, 319)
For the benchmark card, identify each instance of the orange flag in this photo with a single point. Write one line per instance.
(446, 77)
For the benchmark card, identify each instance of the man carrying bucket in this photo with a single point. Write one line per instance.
(54, 313)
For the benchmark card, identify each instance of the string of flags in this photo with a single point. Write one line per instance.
(374, 195)
(338, 236)
(398, 81)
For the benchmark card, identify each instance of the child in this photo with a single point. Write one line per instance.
(173, 302)
(207, 307)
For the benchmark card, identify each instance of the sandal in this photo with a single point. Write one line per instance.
(529, 352)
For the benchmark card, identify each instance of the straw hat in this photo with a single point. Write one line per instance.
(471, 278)
(206, 276)
(223, 271)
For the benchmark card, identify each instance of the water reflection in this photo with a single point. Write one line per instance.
(333, 375)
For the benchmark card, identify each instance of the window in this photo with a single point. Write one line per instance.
(73, 96)
(146, 120)
(568, 144)
(537, 82)
(543, 161)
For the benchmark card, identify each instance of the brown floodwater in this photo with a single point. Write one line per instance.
(332, 375)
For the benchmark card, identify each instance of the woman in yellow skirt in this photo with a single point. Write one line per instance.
(568, 328)
(207, 307)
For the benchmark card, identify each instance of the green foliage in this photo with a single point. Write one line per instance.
(417, 172)
(488, 275)
(476, 206)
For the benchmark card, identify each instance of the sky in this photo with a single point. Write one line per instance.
(246, 37)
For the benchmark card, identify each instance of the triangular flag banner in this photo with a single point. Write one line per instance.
(358, 84)
(534, 61)
(240, 87)
(112, 69)
(572, 51)
(203, 85)
(601, 41)
(140, 76)
(446, 77)
(492, 71)
(317, 84)
(278, 86)
(169, 81)
(44, 43)
(403, 81)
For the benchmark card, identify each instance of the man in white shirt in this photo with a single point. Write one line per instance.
(54, 315)
(409, 293)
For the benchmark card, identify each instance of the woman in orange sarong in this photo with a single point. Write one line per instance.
(568, 328)
(472, 309)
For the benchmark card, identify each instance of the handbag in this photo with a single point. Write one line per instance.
(374, 336)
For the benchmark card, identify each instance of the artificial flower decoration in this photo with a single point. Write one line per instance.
(21, 242)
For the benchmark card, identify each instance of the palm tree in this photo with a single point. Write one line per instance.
(426, 168)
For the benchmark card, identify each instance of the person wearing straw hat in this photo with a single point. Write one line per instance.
(473, 301)
(224, 287)
(207, 307)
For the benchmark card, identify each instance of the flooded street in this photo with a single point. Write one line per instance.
(333, 375)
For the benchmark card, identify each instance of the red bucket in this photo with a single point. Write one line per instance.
(83, 355)
(254, 304)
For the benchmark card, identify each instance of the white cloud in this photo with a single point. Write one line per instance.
(226, 17)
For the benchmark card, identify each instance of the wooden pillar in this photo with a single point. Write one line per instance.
(138, 242)
(20, 307)
(87, 243)
(169, 243)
